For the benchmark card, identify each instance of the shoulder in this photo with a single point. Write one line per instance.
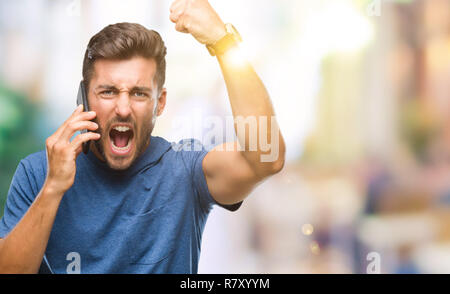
(29, 175)
(187, 145)
(34, 166)
(189, 151)
(36, 161)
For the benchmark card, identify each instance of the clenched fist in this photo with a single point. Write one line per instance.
(198, 18)
(62, 153)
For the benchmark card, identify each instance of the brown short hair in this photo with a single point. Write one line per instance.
(123, 41)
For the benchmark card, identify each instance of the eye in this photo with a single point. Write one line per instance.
(140, 94)
(108, 93)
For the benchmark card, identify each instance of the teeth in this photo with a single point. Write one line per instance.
(121, 128)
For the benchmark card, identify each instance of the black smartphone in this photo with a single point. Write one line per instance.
(82, 99)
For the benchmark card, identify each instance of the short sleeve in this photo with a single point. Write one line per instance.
(19, 199)
(193, 153)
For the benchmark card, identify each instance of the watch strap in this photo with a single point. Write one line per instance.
(224, 44)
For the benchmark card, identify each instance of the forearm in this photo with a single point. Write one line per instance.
(251, 102)
(22, 250)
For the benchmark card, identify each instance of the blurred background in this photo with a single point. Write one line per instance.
(362, 94)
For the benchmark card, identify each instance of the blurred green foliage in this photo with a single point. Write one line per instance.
(18, 117)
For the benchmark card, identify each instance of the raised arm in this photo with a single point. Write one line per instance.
(232, 170)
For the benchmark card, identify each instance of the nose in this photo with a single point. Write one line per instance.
(123, 106)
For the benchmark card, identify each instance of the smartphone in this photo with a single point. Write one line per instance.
(82, 99)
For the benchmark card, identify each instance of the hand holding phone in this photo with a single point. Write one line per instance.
(62, 150)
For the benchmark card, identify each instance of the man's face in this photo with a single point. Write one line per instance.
(124, 95)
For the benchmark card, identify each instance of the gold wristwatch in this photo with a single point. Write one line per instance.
(230, 40)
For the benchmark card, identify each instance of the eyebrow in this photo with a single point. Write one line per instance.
(134, 89)
(141, 89)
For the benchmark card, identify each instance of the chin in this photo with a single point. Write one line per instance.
(120, 164)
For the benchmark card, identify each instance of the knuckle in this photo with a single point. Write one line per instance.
(72, 125)
(58, 147)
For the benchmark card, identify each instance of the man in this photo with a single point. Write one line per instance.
(134, 203)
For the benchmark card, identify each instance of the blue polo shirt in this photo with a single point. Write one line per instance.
(146, 219)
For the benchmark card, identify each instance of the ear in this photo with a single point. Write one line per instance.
(161, 102)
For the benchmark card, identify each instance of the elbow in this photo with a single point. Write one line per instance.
(271, 168)
(278, 165)
(270, 164)
(268, 169)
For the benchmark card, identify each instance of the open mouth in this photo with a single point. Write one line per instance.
(121, 139)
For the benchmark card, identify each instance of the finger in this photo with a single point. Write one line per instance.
(78, 109)
(77, 115)
(175, 5)
(60, 130)
(175, 16)
(84, 116)
(76, 112)
(78, 150)
(180, 26)
(75, 126)
(81, 138)
(177, 11)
